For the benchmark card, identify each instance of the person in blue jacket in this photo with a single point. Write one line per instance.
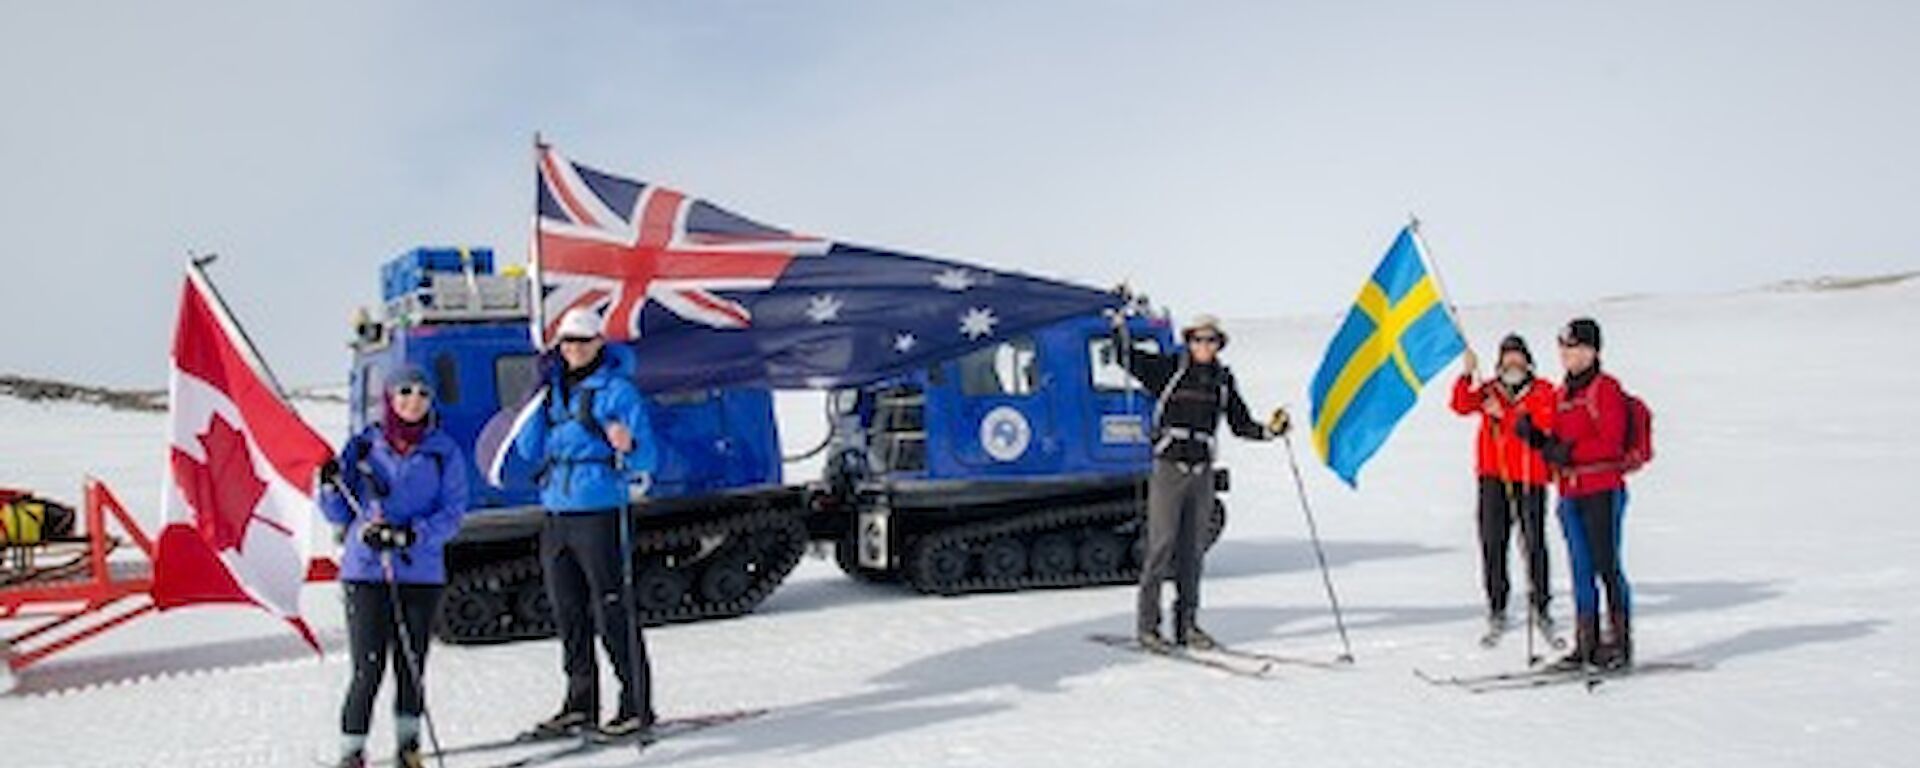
(408, 485)
(592, 442)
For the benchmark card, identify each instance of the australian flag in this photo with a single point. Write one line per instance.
(709, 298)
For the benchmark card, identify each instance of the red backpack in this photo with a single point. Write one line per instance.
(1639, 442)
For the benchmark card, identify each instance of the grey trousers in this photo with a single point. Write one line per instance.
(1179, 504)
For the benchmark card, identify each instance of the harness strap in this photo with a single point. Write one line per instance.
(1171, 434)
(582, 413)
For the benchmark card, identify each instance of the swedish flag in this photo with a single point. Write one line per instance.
(1399, 333)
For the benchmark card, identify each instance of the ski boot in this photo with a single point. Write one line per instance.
(1197, 639)
(1549, 631)
(567, 723)
(408, 756)
(1617, 653)
(1586, 647)
(1543, 621)
(626, 725)
(1496, 629)
(352, 760)
(1152, 641)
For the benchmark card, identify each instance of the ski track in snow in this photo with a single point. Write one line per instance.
(1773, 537)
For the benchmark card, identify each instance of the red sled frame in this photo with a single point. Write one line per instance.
(68, 611)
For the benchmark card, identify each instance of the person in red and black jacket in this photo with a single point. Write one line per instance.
(1513, 476)
(1586, 444)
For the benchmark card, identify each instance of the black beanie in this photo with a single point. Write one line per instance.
(1513, 343)
(1583, 331)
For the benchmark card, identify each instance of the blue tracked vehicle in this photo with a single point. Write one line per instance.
(1018, 465)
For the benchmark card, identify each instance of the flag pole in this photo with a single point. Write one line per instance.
(196, 272)
(536, 311)
(1433, 268)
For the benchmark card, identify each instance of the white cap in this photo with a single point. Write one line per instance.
(578, 323)
(1203, 321)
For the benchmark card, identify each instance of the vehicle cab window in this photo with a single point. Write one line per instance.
(1009, 368)
(1108, 371)
(514, 377)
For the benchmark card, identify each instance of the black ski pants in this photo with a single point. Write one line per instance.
(580, 554)
(373, 637)
(1503, 507)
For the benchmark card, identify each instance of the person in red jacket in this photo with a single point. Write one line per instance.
(1513, 477)
(1586, 444)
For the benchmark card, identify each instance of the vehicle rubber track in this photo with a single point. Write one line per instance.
(676, 579)
(981, 557)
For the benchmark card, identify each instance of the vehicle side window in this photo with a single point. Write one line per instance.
(1108, 373)
(514, 378)
(373, 388)
(688, 397)
(1008, 368)
(446, 372)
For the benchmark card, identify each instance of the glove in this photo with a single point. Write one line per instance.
(1279, 423)
(1530, 433)
(330, 474)
(1557, 454)
(387, 536)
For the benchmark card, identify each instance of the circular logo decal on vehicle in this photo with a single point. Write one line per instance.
(1004, 433)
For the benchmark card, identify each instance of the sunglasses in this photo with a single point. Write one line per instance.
(1203, 338)
(410, 390)
(579, 339)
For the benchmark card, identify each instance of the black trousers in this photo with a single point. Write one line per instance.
(373, 637)
(1500, 513)
(580, 554)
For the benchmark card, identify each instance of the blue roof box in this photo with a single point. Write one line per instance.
(409, 271)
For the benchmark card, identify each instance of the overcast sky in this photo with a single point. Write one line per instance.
(1249, 160)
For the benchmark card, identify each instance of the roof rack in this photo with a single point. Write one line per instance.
(455, 297)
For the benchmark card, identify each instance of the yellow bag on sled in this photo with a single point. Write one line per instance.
(27, 520)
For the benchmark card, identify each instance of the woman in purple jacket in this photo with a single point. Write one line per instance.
(408, 486)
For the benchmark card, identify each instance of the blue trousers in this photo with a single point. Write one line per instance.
(1592, 527)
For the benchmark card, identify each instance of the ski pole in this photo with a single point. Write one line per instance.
(1124, 356)
(1319, 553)
(1514, 514)
(409, 655)
(627, 598)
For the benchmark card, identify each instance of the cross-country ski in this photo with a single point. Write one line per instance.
(1214, 659)
(1547, 676)
(588, 744)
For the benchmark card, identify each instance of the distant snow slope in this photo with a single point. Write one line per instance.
(1774, 537)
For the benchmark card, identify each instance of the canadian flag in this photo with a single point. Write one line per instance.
(237, 507)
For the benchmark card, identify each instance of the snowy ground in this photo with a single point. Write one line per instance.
(1774, 538)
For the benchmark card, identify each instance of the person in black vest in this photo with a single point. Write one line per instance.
(1194, 389)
